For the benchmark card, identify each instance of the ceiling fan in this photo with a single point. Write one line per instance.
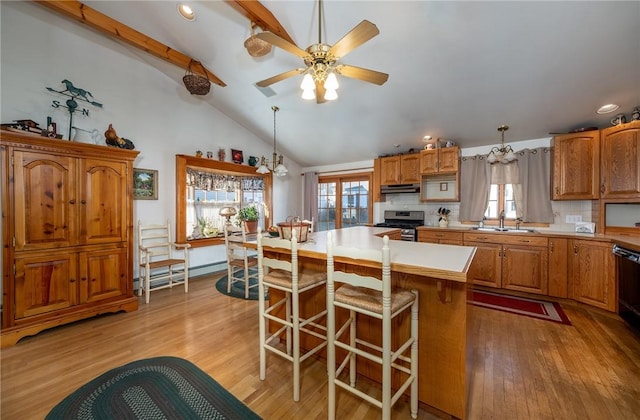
(321, 61)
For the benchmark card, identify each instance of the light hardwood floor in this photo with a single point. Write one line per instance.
(524, 369)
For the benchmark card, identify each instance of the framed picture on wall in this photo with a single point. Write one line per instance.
(236, 156)
(145, 184)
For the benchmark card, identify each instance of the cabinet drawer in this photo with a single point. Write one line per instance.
(435, 236)
(506, 238)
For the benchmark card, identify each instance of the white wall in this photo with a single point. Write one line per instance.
(39, 49)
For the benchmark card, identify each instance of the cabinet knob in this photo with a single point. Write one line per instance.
(72, 280)
(602, 188)
(72, 201)
(551, 247)
(83, 201)
(575, 249)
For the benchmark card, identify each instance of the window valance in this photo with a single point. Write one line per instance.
(212, 181)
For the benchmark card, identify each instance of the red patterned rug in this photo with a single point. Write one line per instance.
(549, 311)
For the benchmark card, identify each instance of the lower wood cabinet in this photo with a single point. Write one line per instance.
(592, 274)
(508, 261)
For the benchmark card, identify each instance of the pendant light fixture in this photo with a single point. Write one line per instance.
(504, 154)
(277, 162)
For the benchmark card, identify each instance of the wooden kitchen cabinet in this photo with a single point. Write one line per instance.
(400, 169)
(558, 260)
(620, 161)
(486, 267)
(576, 166)
(440, 237)
(441, 159)
(504, 260)
(592, 274)
(67, 213)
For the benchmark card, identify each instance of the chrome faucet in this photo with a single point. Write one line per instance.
(518, 221)
(502, 219)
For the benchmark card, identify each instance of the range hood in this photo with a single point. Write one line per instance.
(400, 188)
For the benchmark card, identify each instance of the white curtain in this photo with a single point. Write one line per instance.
(475, 181)
(532, 192)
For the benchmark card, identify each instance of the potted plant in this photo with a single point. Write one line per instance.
(249, 216)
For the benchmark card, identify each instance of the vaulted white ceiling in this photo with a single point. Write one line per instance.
(457, 70)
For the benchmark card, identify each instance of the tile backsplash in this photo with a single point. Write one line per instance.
(561, 209)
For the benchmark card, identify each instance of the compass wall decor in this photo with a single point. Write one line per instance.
(74, 94)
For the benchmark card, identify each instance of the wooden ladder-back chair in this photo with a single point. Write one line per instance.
(287, 276)
(159, 267)
(375, 298)
(238, 259)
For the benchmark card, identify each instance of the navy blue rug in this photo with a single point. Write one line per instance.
(237, 288)
(156, 388)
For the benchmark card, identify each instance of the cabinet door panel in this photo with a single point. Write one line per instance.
(44, 283)
(576, 163)
(103, 209)
(621, 161)
(103, 275)
(390, 170)
(593, 274)
(410, 165)
(429, 161)
(558, 284)
(45, 200)
(486, 267)
(449, 159)
(524, 268)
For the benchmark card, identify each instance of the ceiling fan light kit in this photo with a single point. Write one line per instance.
(320, 75)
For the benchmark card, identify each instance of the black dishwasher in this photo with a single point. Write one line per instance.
(628, 285)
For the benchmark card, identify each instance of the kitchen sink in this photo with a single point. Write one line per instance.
(496, 229)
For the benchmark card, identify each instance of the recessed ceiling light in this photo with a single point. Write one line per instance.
(605, 109)
(186, 12)
(426, 138)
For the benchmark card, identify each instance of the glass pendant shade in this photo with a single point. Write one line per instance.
(332, 82)
(307, 82)
(308, 94)
(330, 95)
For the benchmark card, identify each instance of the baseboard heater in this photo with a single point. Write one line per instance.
(400, 188)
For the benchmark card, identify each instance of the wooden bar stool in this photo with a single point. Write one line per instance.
(239, 262)
(373, 297)
(288, 277)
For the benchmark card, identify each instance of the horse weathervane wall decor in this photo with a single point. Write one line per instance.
(74, 94)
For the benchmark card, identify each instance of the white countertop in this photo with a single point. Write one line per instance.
(448, 262)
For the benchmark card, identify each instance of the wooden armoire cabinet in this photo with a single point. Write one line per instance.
(67, 233)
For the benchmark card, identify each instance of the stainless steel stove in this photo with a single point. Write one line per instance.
(406, 221)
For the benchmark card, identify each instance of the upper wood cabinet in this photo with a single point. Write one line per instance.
(576, 164)
(67, 223)
(400, 169)
(439, 160)
(592, 274)
(620, 161)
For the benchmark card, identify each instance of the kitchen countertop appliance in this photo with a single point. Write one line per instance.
(628, 262)
(405, 220)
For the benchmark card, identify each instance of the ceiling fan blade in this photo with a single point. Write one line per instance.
(274, 39)
(320, 91)
(363, 32)
(279, 77)
(366, 75)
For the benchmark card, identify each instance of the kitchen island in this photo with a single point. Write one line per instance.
(439, 273)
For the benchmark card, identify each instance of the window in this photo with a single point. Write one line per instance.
(347, 196)
(209, 185)
(501, 198)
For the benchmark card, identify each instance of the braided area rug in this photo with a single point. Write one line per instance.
(156, 388)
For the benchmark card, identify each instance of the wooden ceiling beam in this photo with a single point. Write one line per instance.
(261, 16)
(96, 20)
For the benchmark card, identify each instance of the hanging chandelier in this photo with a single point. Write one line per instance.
(276, 165)
(504, 154)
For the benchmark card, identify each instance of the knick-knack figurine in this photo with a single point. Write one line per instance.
(198, 153)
